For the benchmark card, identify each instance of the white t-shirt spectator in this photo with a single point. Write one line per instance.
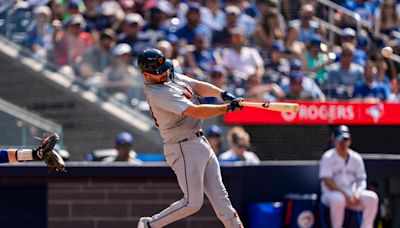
(250, 158)
(246, 62)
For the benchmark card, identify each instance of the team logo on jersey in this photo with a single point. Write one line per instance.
(305, 219)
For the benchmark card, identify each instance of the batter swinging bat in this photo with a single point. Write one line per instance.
(274, 106)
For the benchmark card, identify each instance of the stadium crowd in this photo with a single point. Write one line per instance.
(261, 49)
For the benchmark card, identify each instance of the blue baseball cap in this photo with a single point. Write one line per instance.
(194, 6)
(278, 46)
(295, 64)
(296, 76)
(316, 40)
(123, 138)
(342, 132)
(213, 130)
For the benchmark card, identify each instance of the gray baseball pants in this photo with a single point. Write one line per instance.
(198, 172)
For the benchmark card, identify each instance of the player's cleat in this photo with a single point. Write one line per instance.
(144, 222)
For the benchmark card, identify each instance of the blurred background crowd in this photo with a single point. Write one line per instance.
(261, 49)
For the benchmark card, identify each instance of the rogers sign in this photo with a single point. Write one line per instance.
(322, 113)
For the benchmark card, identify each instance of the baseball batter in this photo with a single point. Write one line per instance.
(178, 115)
(343, 184)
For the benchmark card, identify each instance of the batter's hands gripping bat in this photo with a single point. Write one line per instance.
(274, 106)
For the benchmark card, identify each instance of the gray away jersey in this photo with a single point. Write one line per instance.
(167, 102)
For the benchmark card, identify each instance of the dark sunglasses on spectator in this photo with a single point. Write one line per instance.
(242, 146)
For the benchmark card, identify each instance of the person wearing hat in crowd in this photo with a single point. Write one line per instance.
(309, 86)
(275, 63)
(71, 43)
(39, 36)
(296, 90)
(121, 78)
(123, 146)
(213, 135)
(349, 35)
(131, 34)
(97, 57)
(154, 30)
(193, 26)
(344, 181)
(239, 140)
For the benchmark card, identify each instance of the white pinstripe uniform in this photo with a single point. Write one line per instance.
(350, 176)
(188, 153)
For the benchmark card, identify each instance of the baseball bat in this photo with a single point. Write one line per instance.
(274, 106)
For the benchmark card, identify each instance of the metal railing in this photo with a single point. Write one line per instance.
(332, 7)
(23, 125)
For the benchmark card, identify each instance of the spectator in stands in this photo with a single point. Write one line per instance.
(131, 34)
(223, 38)
(122, 79)
(293, 47)
(201, 58)
(154, 30)
(244, 21)
(123, 146)
(307, 26)
(71, 43)
(316, 60)
(262, 92)
(39, 37)
(193, 25)
(96, 58)
(343, 178)
(370, 90)
(242, 61)
(297, 91)
(276, 64)
(364, 8)
(344, 75)
(349, 35)
(290, 9)
(387, 19)
(212, 15)
(268, 30)
(239, 140)
(381, 74)
(95, 20)
(308, 83)
(213, 134)
(57, 10)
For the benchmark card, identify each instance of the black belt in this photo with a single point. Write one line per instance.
(197, 134)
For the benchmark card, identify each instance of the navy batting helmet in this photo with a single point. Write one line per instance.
(153, 61)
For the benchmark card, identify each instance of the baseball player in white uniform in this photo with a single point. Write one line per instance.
(178, 115)
(343, 183)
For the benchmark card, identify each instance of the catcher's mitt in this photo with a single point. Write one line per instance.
(52, 159)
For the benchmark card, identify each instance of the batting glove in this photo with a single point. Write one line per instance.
(226, 96)
(234, 105)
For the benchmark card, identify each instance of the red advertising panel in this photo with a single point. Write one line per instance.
(322, 113)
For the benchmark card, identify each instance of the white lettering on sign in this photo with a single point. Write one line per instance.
(323, 112)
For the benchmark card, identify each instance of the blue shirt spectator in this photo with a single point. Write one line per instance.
(371, 89)
(193, 25)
